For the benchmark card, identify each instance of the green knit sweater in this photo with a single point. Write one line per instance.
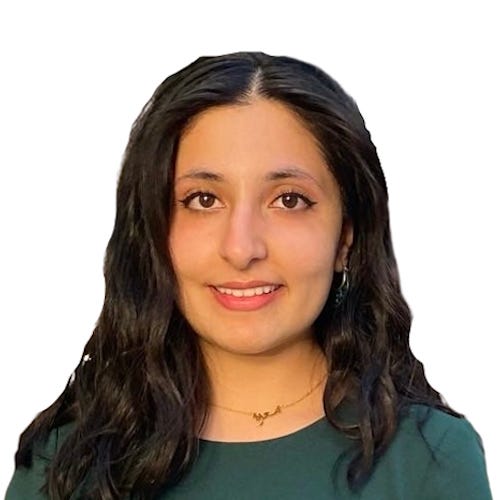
(299, 466)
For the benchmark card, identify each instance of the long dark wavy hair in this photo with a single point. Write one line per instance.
(140, 394)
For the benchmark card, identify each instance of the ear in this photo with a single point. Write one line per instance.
(345, 242)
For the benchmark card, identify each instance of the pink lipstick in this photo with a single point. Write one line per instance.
(245, 303)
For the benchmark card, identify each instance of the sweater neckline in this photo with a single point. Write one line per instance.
(290, 435)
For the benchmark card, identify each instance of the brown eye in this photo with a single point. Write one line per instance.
(290, 200)
(295, 201)
(205, 200)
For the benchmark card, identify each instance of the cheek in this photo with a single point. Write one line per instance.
(308, 247)
(189, 248)
(179, 248)
(184, 251)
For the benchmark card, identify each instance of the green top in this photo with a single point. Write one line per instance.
(299, 465)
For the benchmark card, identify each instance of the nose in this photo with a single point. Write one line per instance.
(243, 238)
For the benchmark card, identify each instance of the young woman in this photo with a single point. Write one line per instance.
(253, 341)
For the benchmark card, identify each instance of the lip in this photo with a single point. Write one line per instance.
(245, 303)
(238, 285)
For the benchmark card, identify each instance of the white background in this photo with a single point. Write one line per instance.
(76, 74)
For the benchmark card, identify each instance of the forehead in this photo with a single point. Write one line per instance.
(248, 139)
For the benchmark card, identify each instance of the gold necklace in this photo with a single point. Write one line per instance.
(260, 417)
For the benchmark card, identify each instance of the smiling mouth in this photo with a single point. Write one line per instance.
(246, 299)
(247, 292)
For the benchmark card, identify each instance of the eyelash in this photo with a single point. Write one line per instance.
(309, 203)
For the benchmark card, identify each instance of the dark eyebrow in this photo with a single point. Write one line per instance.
(289, 172)
(284, 173)
(201, 174)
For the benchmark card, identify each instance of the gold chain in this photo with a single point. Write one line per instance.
(260, 417)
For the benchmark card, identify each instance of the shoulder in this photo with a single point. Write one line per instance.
(27, 482)
(441, 431)
(450, 452)
(439, 426)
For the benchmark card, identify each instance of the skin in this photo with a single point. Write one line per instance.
(244, 230)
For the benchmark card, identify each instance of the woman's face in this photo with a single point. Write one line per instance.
(254, 202)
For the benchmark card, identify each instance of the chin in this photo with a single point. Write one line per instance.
(248, 346)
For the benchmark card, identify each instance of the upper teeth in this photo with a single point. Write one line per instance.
(247, 292)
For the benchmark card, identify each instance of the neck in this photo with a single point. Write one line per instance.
(260, 382)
